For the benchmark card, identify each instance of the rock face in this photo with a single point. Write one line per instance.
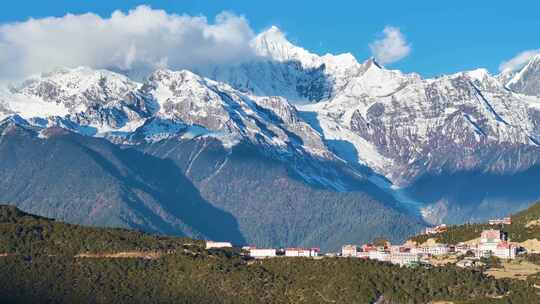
(527, 80)
(458, 123)
(406, 128)
(446, 149)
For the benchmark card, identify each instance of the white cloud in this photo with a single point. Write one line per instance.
(392, 47)
(143, 38)
(518, 61)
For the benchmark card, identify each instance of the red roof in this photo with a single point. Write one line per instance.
(504, 244)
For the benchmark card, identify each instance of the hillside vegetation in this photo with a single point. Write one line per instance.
(202, 191)
(30, 235)
(525, 226)
(38, 264)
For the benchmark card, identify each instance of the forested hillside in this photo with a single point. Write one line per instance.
(41, 262)
(525, 226)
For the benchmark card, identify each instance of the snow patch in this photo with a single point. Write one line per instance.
(30, 106)
(340, 139)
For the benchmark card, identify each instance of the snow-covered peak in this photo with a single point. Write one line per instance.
(483, 80)
(174, 80)
(272, 36)
(79, 79)
(371, 63)
(478, 74)
(273, 44)
(188, 97)
(345, 59)
(373, 80)
(88, 101)
(505, 76)
(77, 87)
(535, 60)
(527, 80)
(220, 109)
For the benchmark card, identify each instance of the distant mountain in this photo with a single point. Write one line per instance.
(462, 146)
(287, 148)
(201, 190)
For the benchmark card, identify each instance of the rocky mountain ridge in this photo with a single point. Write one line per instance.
(336, 123)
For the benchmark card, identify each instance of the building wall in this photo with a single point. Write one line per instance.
(218, 245)
(259, 253)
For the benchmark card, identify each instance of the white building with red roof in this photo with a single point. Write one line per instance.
(494, 243)
(349, 250)
(505, 250)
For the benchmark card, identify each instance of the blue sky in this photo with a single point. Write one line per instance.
(444, 36)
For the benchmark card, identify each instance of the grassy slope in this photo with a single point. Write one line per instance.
(45, 271)
(517, 231)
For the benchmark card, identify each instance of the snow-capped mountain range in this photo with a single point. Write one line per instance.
(386, 126)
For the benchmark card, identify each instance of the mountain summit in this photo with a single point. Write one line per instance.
(290, 144)
(527, 80)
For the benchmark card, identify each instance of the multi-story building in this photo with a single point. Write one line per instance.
(404, 258)
(362, 254)
(492, 236)
(505, 250)
(436, 250)
(462, 248)
(349, 250)
(495, 243)
(379, 255)
(368, 247)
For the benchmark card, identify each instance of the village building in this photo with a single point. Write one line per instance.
(379, 255)
(349, 250)
(462, 248)
(503, 221)
(436, 229)
(494, 242)
(397, 249)
(435, 250)
(489, 240)
(492, 236)
(260, 253)
(211, 244)
(416, 250)
(302, 252)
(362, 254)
(368, 247)
(404, 258)
(505, 250)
